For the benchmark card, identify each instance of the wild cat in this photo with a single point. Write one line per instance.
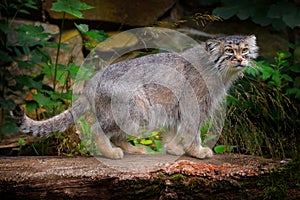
(219, 63)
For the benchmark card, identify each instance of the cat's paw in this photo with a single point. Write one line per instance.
(139, 150)
(115, 153)
(174, 150)
(134, 149)
(201, 152)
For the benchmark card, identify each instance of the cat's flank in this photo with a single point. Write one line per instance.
(222, 58)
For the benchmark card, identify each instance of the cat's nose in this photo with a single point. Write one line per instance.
(239, 59)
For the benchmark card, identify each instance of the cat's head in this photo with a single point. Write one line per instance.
(233, 52)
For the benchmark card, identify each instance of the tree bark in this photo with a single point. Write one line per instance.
(226, 176)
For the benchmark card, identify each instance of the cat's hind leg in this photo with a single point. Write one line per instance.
(104, 144)
(120, 141)
(172, 144)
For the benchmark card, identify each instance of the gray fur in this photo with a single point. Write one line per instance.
(155, 105)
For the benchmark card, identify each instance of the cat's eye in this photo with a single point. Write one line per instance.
(245, 50)
(229, 51)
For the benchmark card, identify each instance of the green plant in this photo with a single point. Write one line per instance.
(93, 36)
(280, 14)
(263, 112)
(151, 140)
(21, 143)
(282, 74)
(207, 137)
(27, 52)
(72, 7)
(23, 47)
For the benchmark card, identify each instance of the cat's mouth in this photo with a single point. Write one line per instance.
(239, 66)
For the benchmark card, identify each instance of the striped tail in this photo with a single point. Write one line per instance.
(57, 123)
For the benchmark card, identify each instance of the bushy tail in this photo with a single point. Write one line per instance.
(57, 123)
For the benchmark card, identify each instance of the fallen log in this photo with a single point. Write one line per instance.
(226, 176)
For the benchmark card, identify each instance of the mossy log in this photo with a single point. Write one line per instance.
(226, 176)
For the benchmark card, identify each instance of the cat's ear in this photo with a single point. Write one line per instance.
(251, 40)
(212, 45)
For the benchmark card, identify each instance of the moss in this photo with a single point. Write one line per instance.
(177, 180)
(278, 183)
(137, 189)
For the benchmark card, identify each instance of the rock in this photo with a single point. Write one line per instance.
(127, 12)
(73, 51)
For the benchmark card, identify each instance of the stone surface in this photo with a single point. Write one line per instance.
(72, 52)
(127, 12)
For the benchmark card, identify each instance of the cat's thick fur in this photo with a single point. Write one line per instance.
(219, 61)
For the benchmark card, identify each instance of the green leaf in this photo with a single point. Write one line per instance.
(287, 77)
(253, 71)
(259, 16)
(18, 52)
(226, 12)
(29, 82)
(82, 27)
(267, 72)
(146, 142)
(292, 16)
(31, 35)
(159, 145)
(208, 138)
(150, 150)
(220, 149)
(21, 142)
(31, 4)
(72, 7)
(297, 82)
(9, 127)
(295, 68)
(62, 72)
(26, 50)
(98, 35)
(44, 101)
(246, 10)
(223, 148)
(275, 11)
(6, 103)
(31, 106)
(232, 100)
(155, 133)
(276, 77)
(278, 24)
(292, 19)
(24, 11)
(294, 91)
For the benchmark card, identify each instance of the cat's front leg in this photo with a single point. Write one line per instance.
(196, 150)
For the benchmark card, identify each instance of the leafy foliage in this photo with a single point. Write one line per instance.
(263, 112)
(72, 7)
(28, 42)
(152, 141)
(94, 36)
(25, 52)
(279, 14)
